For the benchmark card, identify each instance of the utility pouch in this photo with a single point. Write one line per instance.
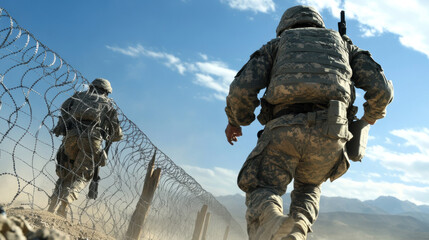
(336, 125)
(357, 145)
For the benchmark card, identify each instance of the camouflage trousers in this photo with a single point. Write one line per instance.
(76, 168)
(299, 147)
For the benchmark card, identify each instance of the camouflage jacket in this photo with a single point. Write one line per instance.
(103, 125)
(256, 74)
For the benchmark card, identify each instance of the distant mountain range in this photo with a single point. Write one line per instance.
(385, 218)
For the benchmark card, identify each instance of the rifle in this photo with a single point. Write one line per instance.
(93, 186)
(342, 28)
(359, 128)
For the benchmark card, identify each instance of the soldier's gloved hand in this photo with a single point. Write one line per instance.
(232, 132)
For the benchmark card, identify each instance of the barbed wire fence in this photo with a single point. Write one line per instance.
(34, 82)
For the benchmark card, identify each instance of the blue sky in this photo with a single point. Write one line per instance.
(170, 63)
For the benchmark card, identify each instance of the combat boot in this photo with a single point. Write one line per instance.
(53, 204)
(62, 210)
(299, 231)
(273, 224)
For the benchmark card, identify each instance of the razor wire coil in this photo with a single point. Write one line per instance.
(34, 82)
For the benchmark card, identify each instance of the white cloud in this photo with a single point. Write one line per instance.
(130, 51)
(410, 166)
(419, 139)
(388, 140)
(264, 6)
(217, 181)
(373, 175)
(408, 19)
(369, 190)
(408, 162)
(333, 5)
(214, 75)
(170, 61)
(204, 56)
(209, 82)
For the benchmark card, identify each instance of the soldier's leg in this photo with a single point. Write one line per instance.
(62, 169)
(81, 171)
(88, 157)
(66, 193)
(54, 199)
(322, 155)
(304, 208)
(62, 209)
(265, 218)
(278, 161)
(65, 190)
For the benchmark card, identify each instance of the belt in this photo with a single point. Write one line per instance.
(298, 108)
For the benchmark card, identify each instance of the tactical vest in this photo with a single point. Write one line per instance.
(88, 106)
(311, 66)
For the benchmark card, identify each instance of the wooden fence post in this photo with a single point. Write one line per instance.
(150, 184)
(225, 236)
(206, 224)
(199, 223)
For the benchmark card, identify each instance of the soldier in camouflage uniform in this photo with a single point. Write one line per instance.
(87, 118)
(309, 73)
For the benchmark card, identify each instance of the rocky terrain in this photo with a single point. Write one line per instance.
(39, 219)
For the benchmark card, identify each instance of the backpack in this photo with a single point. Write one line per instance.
(87, 106)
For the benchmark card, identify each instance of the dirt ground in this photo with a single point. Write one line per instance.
(39, 219)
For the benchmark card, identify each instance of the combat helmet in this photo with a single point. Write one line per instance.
(103, 84)
(299, 15)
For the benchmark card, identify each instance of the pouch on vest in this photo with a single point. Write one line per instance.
(357, 145)
(336, 125)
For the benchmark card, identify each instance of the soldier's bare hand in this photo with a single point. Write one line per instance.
(232, 133)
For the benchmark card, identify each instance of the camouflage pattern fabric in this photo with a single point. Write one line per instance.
(303, 65)
(88, 113)
(292, 147)
(103, 84)
(10, 230)
(298, 15)
(77, 169)
(255, 75)
(369, 76)
(312, 66)
(243, 91)
(87, 118)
